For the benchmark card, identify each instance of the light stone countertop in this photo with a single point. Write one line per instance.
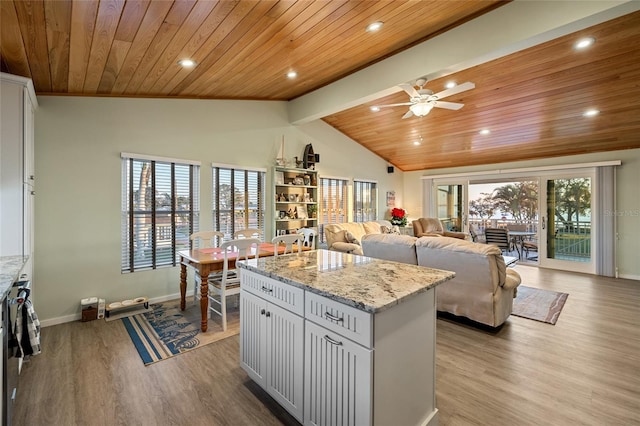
(10, 267)
(369, 284)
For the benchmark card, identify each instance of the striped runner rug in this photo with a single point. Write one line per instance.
(166, 331)
(538, 304)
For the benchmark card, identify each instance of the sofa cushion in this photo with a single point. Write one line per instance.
(398, 248)
(465, 246)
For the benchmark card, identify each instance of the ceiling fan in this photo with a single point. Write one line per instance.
(423, 100)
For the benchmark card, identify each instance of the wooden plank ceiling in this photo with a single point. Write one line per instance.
(531, 101)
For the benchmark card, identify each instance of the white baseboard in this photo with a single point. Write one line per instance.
(630, 277)
(78, 316)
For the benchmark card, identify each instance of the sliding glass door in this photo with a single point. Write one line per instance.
(567, 224)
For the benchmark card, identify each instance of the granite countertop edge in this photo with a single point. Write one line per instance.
(10, 267)
(346, 300)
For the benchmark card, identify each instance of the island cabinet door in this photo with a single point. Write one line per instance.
(338, 379)
(285, 351)
(272, 350)
(253, 336)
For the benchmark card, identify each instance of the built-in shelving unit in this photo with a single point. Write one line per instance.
(295, 199)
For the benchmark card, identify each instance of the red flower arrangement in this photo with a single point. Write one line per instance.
(398, 217)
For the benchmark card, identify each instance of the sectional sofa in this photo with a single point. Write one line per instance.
(483, 288)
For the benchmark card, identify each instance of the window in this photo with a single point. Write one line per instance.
(333, 202)
(160, 209)
(238, 199)
(365, 201)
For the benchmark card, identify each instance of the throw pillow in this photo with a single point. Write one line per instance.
(350, 238)
(393, 230)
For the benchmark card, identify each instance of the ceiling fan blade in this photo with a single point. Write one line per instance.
(454, 90)
(411, 91)
(447, 105)
(393, 105)
(409, 114)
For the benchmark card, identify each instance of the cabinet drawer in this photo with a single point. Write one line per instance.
(284, 295)
(345, 320)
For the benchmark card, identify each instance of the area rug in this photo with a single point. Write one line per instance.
(166, 331)
(539, 305)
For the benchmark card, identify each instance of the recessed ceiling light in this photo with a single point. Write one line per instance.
(292, 74)
(450, 85)
(416, 143)
(375, 26)
(591, 113)
(375, 108)
(187, 63)
(485, 131)
(583, 43)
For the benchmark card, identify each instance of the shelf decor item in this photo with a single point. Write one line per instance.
(312, 210)
(309, 158)
(301, 212)
(280, 160)
(398, 217)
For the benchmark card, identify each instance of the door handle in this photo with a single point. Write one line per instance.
(543, 222)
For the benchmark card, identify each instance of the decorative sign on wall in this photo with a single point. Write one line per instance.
(391, 198)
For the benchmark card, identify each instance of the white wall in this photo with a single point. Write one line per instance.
(78, 181)
(628, 196)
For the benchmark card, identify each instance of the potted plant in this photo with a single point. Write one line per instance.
(312, 210)
(398, 217)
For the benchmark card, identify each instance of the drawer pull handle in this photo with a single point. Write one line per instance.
(268, 314)
(333, 342)
(262, 311)
(330, 317)
(265, 289)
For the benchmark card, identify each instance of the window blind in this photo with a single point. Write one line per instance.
(238, 200)
(333, 204)
(365, 201)
(160, 209)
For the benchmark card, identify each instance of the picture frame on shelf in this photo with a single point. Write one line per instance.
(301, 212)
(279, 178)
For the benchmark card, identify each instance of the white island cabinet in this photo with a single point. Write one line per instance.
(349, 340)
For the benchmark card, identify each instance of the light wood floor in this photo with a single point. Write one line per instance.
(584, 370)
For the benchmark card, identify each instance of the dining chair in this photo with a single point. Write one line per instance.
(309, 236)
(288, 241)
(498, 237)
(529, 246)
(228, 282)
(247, 233)
(205, 239)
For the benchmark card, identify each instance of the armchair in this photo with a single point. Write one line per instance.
(432, 227)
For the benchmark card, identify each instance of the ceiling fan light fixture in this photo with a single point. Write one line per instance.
(421, 108)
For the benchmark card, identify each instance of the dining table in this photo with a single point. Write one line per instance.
(207, 260)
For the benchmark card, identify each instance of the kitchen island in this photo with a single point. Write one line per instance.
(337, 338)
